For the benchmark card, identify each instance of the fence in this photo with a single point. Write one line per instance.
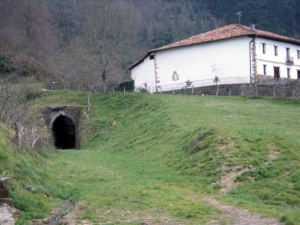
(201, 83)
(284, 88)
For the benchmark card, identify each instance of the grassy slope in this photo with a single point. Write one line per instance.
(148, 154)
(245, 132)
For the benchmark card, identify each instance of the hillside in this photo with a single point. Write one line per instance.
(86, 45)
(165, 159)
(16, 67)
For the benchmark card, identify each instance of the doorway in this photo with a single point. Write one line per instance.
(276, 73)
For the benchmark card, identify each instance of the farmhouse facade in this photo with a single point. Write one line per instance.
(227, 55)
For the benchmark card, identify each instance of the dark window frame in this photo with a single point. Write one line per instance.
(264, 48)
(275, 50)
(288, 52)
(265, 69)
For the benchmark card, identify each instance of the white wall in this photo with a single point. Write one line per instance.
(144, 73)
(270, 60)
(225, 59)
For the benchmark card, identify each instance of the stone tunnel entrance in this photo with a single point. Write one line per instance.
(63, 123)
(64, 132)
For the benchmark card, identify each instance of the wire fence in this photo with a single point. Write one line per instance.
(201, 83)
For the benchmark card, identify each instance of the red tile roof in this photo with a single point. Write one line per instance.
(221, 33)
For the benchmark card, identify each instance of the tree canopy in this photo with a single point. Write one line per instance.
(88, 43)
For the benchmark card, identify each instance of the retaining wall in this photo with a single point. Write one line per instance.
(4, 191)
(269, 88)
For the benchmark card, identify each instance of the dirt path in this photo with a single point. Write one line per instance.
(231, 215)
(237, 216)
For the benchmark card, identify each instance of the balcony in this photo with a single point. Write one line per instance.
(289, 60)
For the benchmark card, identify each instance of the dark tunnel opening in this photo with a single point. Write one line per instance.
(64, 132)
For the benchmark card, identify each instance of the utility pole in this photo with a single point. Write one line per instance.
(240, 15)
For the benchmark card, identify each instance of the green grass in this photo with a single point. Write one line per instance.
(147, 155)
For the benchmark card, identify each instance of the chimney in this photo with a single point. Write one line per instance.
(252, 27)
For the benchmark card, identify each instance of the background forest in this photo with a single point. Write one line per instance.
(88, 44)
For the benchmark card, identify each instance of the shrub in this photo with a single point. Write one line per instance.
(141, 90)
(5, 64)
(128, 85)
(203, 141)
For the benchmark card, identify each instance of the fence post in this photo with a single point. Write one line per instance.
(124, 89)
(193, 89)
(229, 91)
(256, 91)
(294, 94)
(113, 90)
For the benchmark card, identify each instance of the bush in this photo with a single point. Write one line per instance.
(203, 141)
(141, 90)
(128, 85)
(5, 64)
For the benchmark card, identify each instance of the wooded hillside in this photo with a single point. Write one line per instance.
(88, 44)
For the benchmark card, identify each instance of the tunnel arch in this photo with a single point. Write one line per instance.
(64, 132)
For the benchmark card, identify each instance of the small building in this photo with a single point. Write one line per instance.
(231, 54)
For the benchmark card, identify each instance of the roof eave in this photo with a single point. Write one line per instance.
(139, 61)
(291, 41)
(198, 43)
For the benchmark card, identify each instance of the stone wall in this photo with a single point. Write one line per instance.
(4, 191)
(270, 88)
(74, 113)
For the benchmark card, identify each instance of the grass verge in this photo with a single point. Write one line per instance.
(146, 155)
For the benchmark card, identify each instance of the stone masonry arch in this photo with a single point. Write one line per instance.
(63, 122)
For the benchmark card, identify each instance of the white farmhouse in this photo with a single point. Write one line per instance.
(226, 55)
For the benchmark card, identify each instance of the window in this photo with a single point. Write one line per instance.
(264, 48)
(288, 73)
(265, 69)
(288, 52)
(175, 76)
(275, 50)
(298, 54)
(151, 57)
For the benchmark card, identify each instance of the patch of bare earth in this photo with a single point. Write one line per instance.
(7, 214)
(74, 217)
(272, 156)
(227, 181)
(112, 216)
(53, 216)
(237, 216)
(232, 214)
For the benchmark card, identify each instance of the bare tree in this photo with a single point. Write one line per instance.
(27, 26)
(106, 34)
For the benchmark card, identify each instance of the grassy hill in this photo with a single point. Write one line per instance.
(156, 158)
